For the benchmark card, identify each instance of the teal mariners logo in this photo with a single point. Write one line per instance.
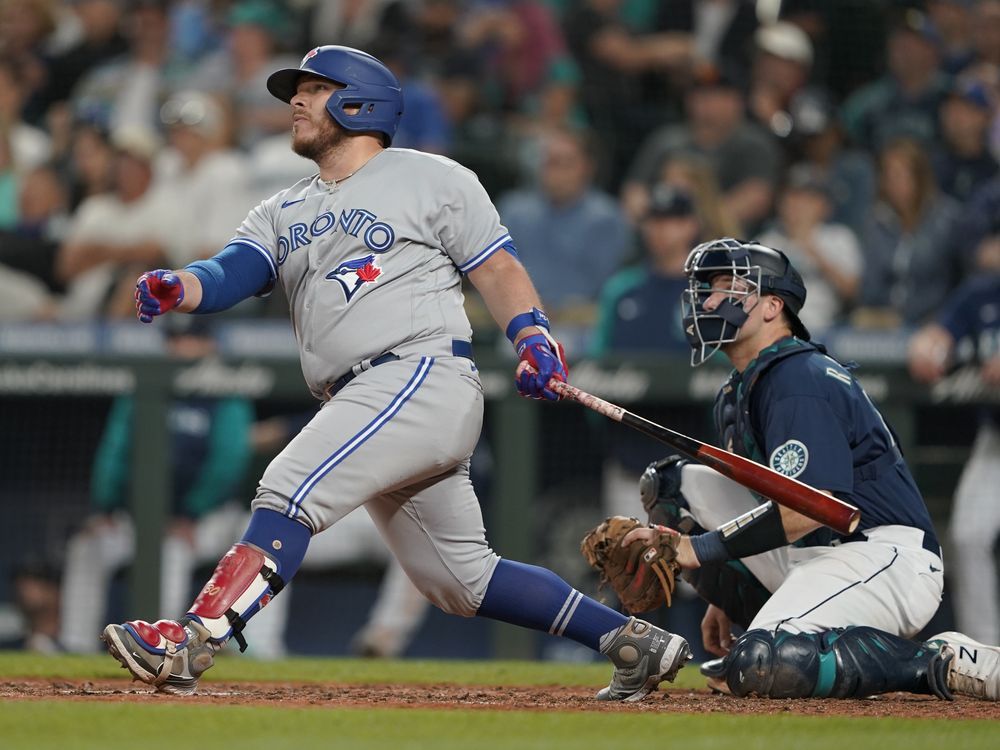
(790, 458)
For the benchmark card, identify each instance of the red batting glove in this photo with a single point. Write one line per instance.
(542, 358)
(157, 292)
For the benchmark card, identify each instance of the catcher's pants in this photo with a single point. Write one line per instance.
(975, 526)
(397, 439)
(889, 582)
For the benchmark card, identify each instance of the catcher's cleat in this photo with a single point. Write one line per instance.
(714, 671)
(973, 667)
(644, 656)
(168, 654)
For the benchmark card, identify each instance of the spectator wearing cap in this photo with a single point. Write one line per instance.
(904, 102)
(113, 235)
(816, 138)
(910, 266)
(693, 174)
(202, 176)
(963, 162)
(639, 315)
(637, 303)
(237, 72)
(570, 235)
(781, 67)
(827, 255)
(745, 159)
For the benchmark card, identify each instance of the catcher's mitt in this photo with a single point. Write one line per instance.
(642, 574)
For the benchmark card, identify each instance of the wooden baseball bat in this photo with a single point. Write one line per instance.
(830, 511)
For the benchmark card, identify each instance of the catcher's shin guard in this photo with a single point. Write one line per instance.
(644, 656)
(841, 663)
(243, 583)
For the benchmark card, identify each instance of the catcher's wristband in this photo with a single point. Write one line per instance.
(759, 530)
(534, 317)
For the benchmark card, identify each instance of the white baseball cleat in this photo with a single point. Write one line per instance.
(644, 656)
(973, 667)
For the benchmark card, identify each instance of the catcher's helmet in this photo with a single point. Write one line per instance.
(367, 83)
(754, 269)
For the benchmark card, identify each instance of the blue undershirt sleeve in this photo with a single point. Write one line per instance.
(236, 273)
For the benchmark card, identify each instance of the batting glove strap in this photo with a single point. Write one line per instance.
(533, 317)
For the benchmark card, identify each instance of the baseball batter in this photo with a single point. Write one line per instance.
(370, 253)
(825, 615)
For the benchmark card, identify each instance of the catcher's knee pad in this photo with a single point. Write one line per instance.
(243, 583)
(731, 587)
(841, 663)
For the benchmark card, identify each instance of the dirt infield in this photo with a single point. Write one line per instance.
(322, 695)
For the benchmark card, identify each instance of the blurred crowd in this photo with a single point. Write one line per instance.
(860, 136)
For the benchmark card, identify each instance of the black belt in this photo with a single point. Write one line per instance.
(459, 348)
(929, 542)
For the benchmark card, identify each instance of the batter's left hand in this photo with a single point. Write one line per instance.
(542, 358)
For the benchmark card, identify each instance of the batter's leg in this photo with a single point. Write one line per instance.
(437, 533)
(172, 655)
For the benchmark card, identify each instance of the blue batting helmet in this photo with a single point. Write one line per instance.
(367, 83)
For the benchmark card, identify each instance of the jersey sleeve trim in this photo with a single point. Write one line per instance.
(481, 258)
(260, 249)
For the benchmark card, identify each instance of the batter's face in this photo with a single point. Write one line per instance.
(314, 132)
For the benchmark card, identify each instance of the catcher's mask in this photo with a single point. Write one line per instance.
(753, 269)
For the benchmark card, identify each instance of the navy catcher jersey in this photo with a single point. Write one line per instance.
(812, 420)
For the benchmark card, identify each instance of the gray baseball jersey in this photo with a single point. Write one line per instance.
(373, 265)
(373, 261)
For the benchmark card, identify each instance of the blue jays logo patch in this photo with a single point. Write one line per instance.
(790, 458)
(355, 273)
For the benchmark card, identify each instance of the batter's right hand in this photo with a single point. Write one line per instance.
(541, 359)
(157, 292)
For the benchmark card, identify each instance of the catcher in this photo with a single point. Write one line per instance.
(824, 615)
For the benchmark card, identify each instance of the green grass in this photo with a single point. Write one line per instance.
(148, 725)
(351, 671)
(42, 725)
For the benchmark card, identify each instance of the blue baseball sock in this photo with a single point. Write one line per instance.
(268, 527)
(537, 598)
